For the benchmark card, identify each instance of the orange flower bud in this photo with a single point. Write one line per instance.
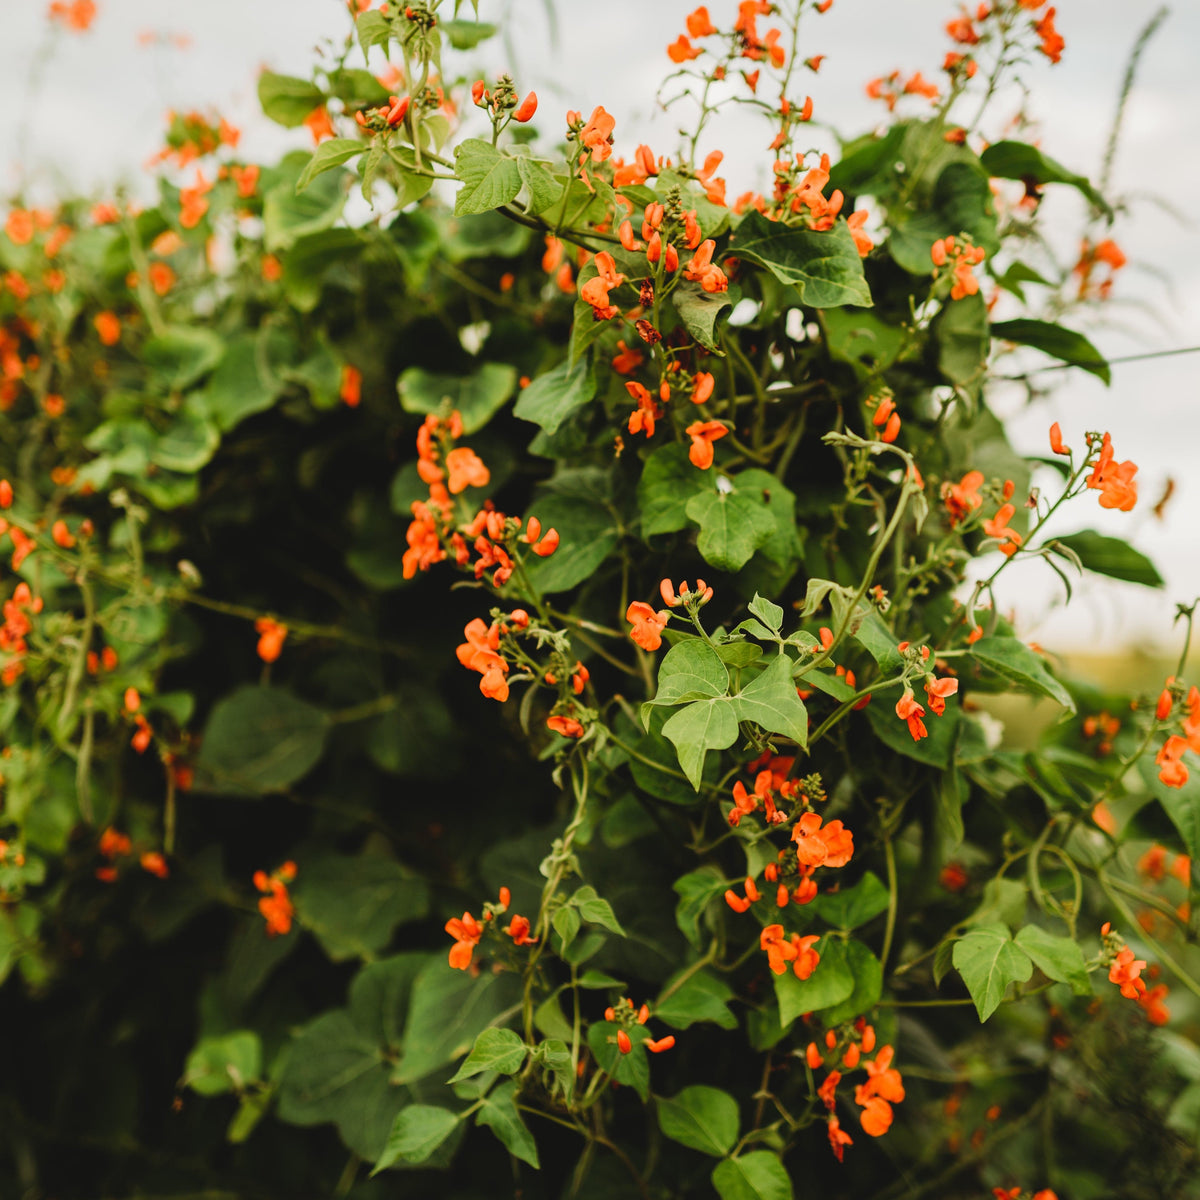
(659, 1045)
(526, 108)
(623, 1042)
(812, 1055)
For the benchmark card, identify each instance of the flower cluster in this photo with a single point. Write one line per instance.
(275, 904)
(882, 1088)
(626, 1018)
(467, 931)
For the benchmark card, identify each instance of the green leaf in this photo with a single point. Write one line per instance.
(690, 670)
(696, 891)
(416, 1133)
(1014, 660)
(699, 311)
(240, 386)
(566, 924)
(352, 902)
(1057, 957)
(555, 396)
(287, 100)
(961, 335)
(700, 727)
(769, 613)
(449, 1010)
(824, 267)
(861, 339)
(260, 739)
(1064, 344)
(187, 445)
(374, 29)
(490, 179)
(701, 1118)
(989, 960)
(337, 1069)
(668, 483)
(501, 1115)
(477, 396)
(849, 908)
(596, 910)
(494, 1050)
(758, 1175)
(961, 201)
(732, 526)
(356, 88)
(1018, 160)
(828, 985)
(182, 354)
(770, 700)
(878, 640)
(288, 216)
(543, 189)
(867, 972)
(1111, 556)
(224, 1064)
(466, 35)
(329, 154)
(950, 793)
(702, 996)
(587, 536)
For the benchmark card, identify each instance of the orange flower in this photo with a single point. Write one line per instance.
(862, 243)
(246, 179)
(155, 863)
(596, 290)
(1152, 1005)
(907, 709)
(779, 951)
(918, 85)
(1126, 972)
(465, 469)
(1174, 771)
(699, 24)
(319, 125)
(997, 527)
(937, 690)
(703, 270)
(647, 624)
(876, 1116)
(596, 135)
(830, 846)
(568, 727)
(681, 50)
(466, 934)
(350, 391)
(271, 638)
(108, 328)
(647, 413)
(192, 202)
(627, 361)
(1113, 480)
(703, 434)
(162, 278)
(839, 1139)
(518, 929)
(114, 845)
(276, 905)
(1052, 42)
(658, 1045)
(962, 256)
(1056, 442)
(76, 15)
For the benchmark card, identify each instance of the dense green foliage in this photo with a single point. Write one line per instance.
(210, 409)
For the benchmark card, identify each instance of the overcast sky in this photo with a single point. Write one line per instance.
(86, 110)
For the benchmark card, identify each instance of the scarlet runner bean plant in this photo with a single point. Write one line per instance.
(665, 607)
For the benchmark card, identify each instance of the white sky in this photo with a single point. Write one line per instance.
(87, 111)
